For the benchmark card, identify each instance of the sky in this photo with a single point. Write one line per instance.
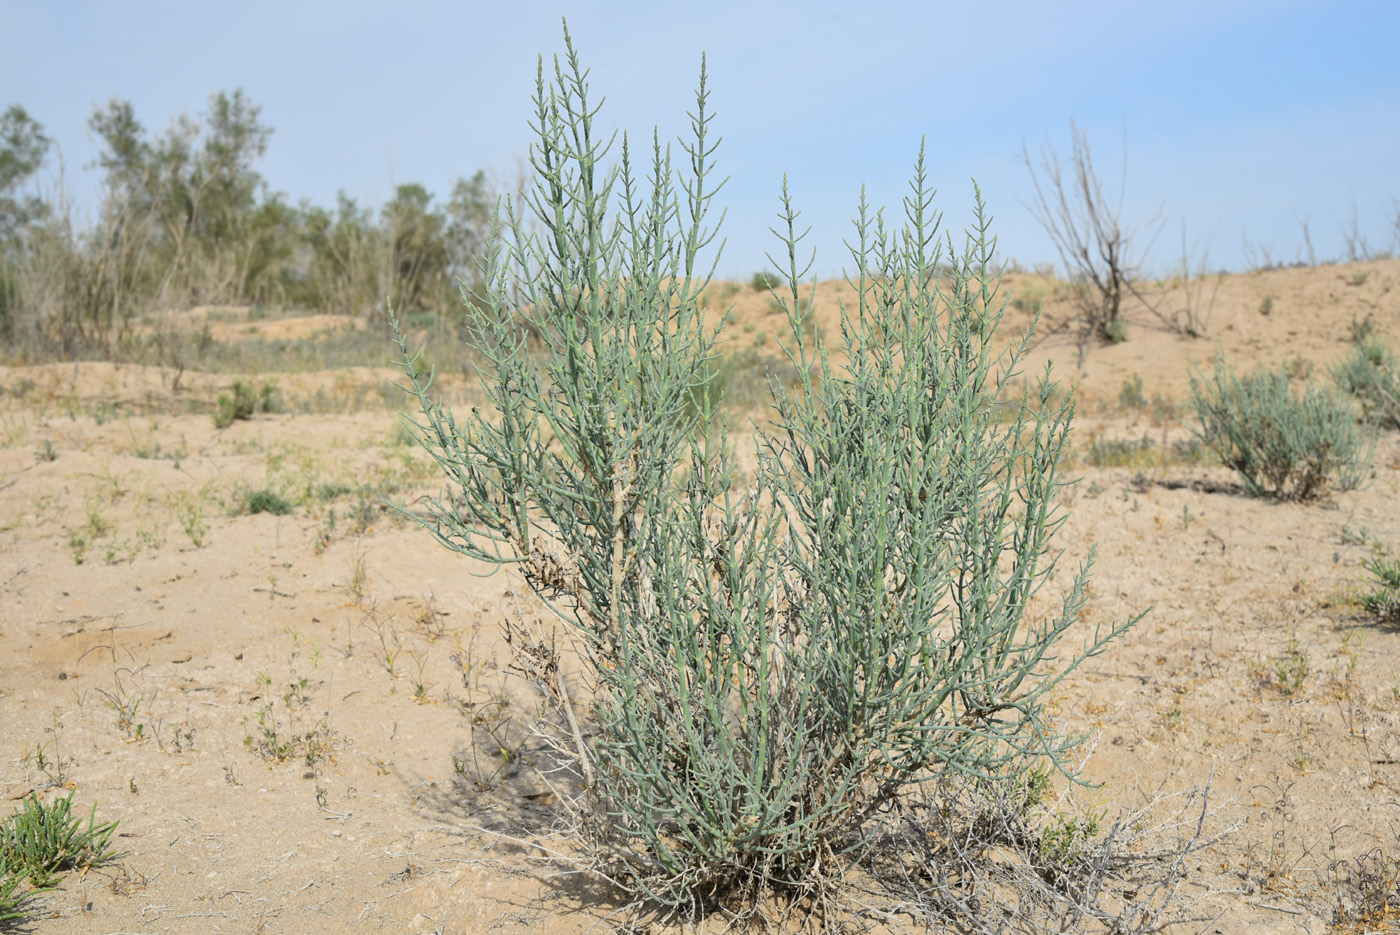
(1242, 119)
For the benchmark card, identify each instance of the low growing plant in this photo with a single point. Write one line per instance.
(781, 679)
(266, 500)
(1283, 442)
(39, 841)
(1371, 374)
(244, 402)
(1384, 601)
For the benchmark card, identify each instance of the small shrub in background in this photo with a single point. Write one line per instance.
(717, 295)
(266, 500)
(1130, 395)
(1371, 374)
(739, 380)
(244, 403)
(1283, 442)
(764, 281)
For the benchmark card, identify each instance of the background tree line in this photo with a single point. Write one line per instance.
(185, 219)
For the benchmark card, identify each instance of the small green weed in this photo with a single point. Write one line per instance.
(1384, 601)
(1063, 840)
(289, 733)
(125, 703)
(39, 842)
(189, 510)
(1288, 671)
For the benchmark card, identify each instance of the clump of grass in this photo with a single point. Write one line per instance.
(1130, 394)
(266, 500)
(1371, 374)
(1384, 601)
(244, 403)
(39, 842)
(1143, 452)
(1282, 442)
(1121, 452)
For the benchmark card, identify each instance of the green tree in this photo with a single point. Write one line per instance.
(343, 272)
(199, 187)
(416, 234)
(468, 227)
(23, 148)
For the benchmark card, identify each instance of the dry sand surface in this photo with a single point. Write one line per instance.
(156, 642)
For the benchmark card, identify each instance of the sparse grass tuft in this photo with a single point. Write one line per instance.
(1371, 374)
(1384, 601)
(1144, 452)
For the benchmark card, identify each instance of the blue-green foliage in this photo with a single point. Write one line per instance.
(1288, 442)
(771, 668)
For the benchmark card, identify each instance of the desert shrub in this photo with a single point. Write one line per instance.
(763, 281)
(1371, 374)
(266, 500)
(243, 403)
(1282, 442)
(782, 679)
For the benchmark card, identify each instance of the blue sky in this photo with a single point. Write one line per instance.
(1241, 117)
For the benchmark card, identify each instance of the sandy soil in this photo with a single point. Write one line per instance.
(157, 644)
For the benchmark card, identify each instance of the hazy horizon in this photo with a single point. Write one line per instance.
(1241, 118)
